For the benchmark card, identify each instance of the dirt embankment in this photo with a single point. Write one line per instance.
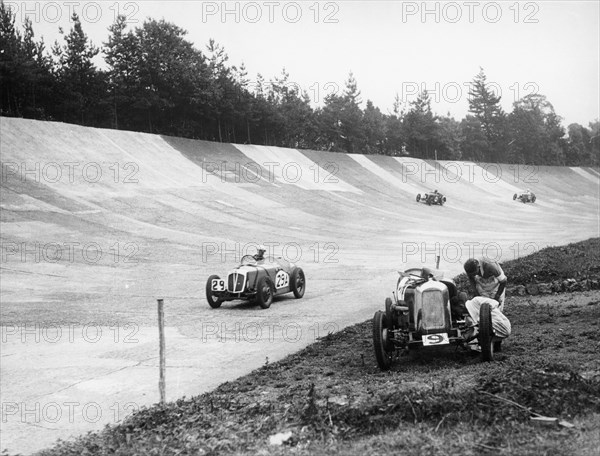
(331, 398)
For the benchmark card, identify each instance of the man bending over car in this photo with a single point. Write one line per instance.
(487, 279)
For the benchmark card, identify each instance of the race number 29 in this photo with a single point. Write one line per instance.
(282, 279)
(218, 285)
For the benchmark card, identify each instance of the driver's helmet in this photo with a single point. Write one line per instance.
(528, 191)
(435, 191)
(260, 252)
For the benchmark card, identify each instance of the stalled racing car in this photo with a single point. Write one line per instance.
(420, 316)
(257, 279)
(431, 198)
(525, 197)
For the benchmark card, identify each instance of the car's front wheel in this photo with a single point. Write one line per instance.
(298, 284)
(264, 292)
(389, 313)
(418, 197)
(213, 301)
(514, 196)
(383, 352)
(486, 333)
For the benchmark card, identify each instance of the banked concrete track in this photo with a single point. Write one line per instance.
(97, 224)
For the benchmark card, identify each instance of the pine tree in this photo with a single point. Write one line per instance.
(420, 128)
(81, 85)
(485, 106)
(352, 129)
(374, 128)
(121, 53)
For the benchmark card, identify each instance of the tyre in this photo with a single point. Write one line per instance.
(497, 346)
(514, 196)
(388, 313)
(264, 292)
(533, 199)
(428, 201)
(213, 300)
(442, 201)
(298, 283)
(383, 353)
(418, 197)
(486, 333)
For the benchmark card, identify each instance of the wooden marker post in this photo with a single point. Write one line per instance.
(437, 262)
(161, 336)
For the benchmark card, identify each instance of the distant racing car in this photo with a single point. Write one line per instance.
(431, 198)
(257, 280)
(525, 197)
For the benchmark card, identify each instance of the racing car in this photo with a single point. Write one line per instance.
(257, 280)
(432, 198)
(420, 316)
(525, 197)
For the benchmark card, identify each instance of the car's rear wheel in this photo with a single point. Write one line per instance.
(264, 292)
(298, 284)
(383, 351)
(486, 333)
(443, 201)
(418, 197)
(533, 199)
(213, 301)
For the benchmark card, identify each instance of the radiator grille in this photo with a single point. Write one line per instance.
(236, 282)
(433, 309)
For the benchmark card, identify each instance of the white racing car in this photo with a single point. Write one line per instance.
(256, 280)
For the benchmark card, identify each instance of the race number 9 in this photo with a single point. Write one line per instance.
(435, 339)
(218, 285)
(282, 279)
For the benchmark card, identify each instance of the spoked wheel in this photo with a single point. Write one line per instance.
(418, 197)
(383, 350)
(213, 300)
(298, 284)
(486, 333)
(264, 292)
(514, 196)
(533, 199)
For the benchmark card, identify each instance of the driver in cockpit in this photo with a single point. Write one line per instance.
(260, 256)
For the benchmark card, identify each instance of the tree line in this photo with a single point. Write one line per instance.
(154, 80)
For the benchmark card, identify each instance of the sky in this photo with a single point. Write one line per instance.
(391, 47)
